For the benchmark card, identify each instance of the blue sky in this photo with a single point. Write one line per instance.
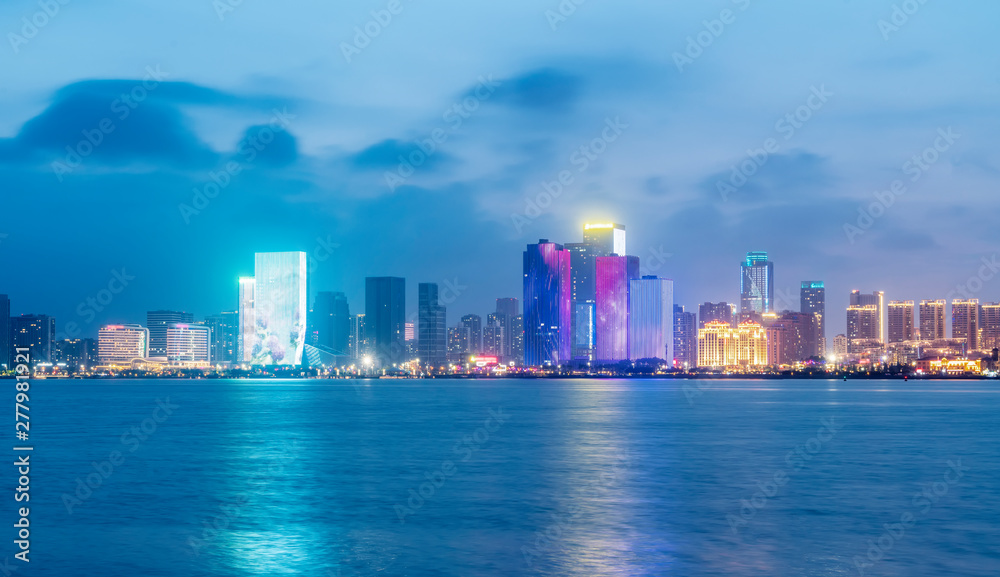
(506, 94)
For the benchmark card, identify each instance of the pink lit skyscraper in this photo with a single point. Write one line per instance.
(613, 276)
(547, 304)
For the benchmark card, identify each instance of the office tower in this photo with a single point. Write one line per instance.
(358, 343)
(812, 299)
(877, 300)
(791, 337)
(720, 312)
(189, 343)
(965, 322)
(607, 238)
(331, 322)
(156, 322)
(614, 274)
(584, 330)
(900, 321)
(990, 326)
(385, 316)
(507, 311)
(432, 338)
(279, 308)
(5, 358)
(863, 322)
(247, 324)
(932, 320)
(651, 319)
(583, 269)
(756, 284)
(547, 304)
(224, 335)
(723, 345)
(685, 338)
(472, 333)
(121, 344)
(518, 346)
(37, 333)
(76, 354)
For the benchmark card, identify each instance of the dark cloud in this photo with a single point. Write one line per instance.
(544, 90)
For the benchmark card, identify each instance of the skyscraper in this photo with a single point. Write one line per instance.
(651, 319)
(863, 322)
(685, 338)
(606, 238)
(756, 284)
(472, 333)
(432, 337)
(614, 274)
(4, 331)
(583, 263)
(121, 344)
(720, 312)
(900, 319)
(965, 322)
(37, 333)
(812, 299)
(791, 337)
(247, 323)
(359, 341)
(877, 300)
(225, 331)
(279, 308)
(547, 304)
(385, 315)
(990, 326)
(156, 322)
(507, 312)
(331, 322)
(932, 320)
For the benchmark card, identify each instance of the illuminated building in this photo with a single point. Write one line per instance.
(869, 327)
(247, 324)
(932, 317)
(723, 346)
(584, 327)
(76, 354)
(279, 309)
(583, 270)
(954, 366)
(547, 304)
(385, 316)
(37, 333)
(651, 318)
(756, 284)
(432, 340)
(410, 339)
(900, 320)
(614, 274)
(517, 326)
(720, 312)
(156, 322)
(685, 338)
(358, 343)
(188, 343)
(791, 337)
(812, 299)
(606, 238)
(5, 347)
(507, 311)
(493, 336)
(965, 322)
(990, 314)
(457, 344)
(122, 344)
(841, 346)
(225, 334)
(862, 322)
(472, 334)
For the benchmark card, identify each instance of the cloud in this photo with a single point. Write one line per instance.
(543, 90)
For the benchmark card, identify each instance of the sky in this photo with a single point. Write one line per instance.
(152, 148)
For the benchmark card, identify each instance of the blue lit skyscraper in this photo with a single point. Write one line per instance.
(279, 308)
(612, 334)
(385, 319)
(547, 304)
(432, 341)
(651, 319)
(756, 284)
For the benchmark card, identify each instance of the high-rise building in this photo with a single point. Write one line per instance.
(472, 333)
(900, 320)
(719, 312)
(685, 338)
(76, 354)
(583, 268)
(5, 348)
(359, 341)
(493, 344)
(432, 337)
(225, 330)
(876, 299)
(584, 330)
(723, 345)
(385, 316)
(651, 319)
(932, 320)
(756, 284)
(547, 304)
(331, 323)
(121, 344)
(614, 274)
(245, 336)
(156, 322)
(812, 299)
(189, 343)
(990, 326)
(863, 322)
(791, 337)
(841, 346)
(37, 333)
(606, 238)
(279, 308)
(457, 344)
(965, 322)
(507, 311)
(518, 346)
(410, 340)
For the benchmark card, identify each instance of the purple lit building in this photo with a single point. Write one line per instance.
(613, 276)
(547, 304)
(651, 319)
